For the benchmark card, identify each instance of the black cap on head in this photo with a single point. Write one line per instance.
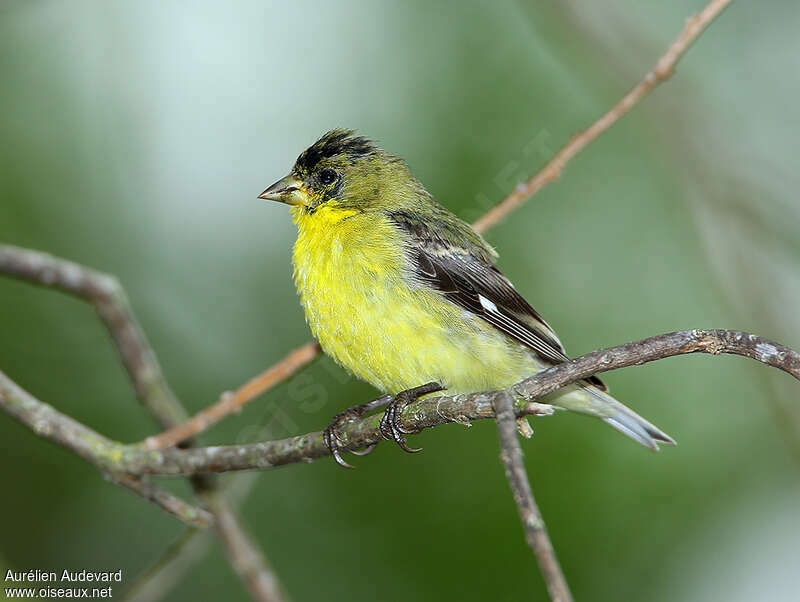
(335, 142)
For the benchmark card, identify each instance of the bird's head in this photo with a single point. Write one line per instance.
(347, 172)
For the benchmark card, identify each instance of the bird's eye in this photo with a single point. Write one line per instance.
(328, 176)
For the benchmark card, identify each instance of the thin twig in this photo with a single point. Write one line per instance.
(191, 515)
(532, 521)
(136, 459)
(165, 573)
(663, 69)
(244, 556)
(232, 402)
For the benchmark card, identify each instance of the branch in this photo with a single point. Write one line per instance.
(532, 521)
(168, 570)
(243, 554)
(139, 359)
(47, 422)
(461, 408)
(191, 515)
(232, 402)
(108, 297)
(662, 71)
(136, 459)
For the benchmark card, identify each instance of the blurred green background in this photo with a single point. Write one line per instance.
(136, 137)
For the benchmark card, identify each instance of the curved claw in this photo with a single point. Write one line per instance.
(390, 426)
(390, 429)
(410, 450)
(331, 440)
(366, 451)
(330, 435)
(341, 461)
(390, 422)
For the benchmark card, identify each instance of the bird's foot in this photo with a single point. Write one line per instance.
(331, 435)
(390, 423)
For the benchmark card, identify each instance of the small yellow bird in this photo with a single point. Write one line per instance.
(400, 291)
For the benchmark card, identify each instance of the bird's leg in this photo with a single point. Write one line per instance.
(331, 434)
(390, 427)
(390, 423)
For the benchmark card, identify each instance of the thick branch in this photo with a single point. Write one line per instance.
(532, 521)
(136, 459)
(663, 69)
(460, 408)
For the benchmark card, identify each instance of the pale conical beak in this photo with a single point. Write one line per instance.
(289, 190)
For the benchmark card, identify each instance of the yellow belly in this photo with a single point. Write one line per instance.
(349, 271)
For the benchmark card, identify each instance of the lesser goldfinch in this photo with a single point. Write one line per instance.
(400, 291)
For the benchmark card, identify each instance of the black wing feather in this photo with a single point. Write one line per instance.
(464, 279)
(472, 282)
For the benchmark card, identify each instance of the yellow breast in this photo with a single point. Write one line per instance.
(351, 274)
